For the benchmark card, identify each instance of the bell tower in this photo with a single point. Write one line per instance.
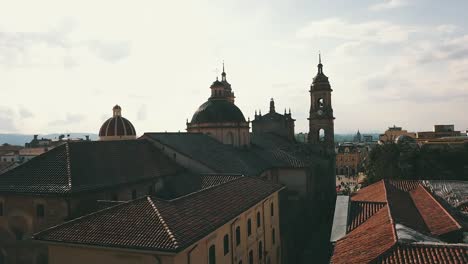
(321, 128)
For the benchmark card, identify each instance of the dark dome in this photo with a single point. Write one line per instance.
(117, 126)
(217, 111)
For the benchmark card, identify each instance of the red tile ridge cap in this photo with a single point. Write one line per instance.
(443, 208)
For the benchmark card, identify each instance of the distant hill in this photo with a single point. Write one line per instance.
(21, 139)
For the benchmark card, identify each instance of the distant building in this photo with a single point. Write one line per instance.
(117, 127)
(357, 137)
(395, 221)
(440, 131)
(368, 138)
(233, 222)
(273, 122)
(348, 159)
(393, 132)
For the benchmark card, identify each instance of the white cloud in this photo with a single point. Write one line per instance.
(371, 31)
(389, 4)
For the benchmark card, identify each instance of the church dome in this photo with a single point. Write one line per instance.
(218, 111)
(117, 127)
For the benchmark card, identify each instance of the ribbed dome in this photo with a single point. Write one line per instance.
(117, 126)
(217, 111)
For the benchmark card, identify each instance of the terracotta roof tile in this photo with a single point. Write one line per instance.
(437, 219)
(405, 185)
(372, 193)
(360, 212)
(368, 241)
(164, 225)
(426, 253)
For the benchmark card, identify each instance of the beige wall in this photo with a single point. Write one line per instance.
(224, 132)
(198, 252)
(391, 135)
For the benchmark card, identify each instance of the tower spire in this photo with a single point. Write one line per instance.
(320, 65)
(272, 106)
(223, 74)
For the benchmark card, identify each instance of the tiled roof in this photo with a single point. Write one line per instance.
(163, 225)
(426, 253)
(417, 221)
(405, 185)
(224, 158)
(361, 211)
(437, 219)
(372, 193)
(88, 165)
(368, 241)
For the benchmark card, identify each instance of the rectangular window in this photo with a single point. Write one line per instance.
(238, 236)
(272, 210)
(226, 244)
(273, 236)
(40, 210)
(249, 227)
(258, 220)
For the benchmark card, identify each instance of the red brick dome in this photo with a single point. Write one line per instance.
(117, 126)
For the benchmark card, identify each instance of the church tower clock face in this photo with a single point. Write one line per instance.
(321, 127)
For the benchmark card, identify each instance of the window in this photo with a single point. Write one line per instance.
(260, 250)
(134, 194)
(273, 236)
(272, 210)
(226, 244)
(249, 227)
(238, 236)
(321, 135)
(1, 208)
(320, 103)
(212, 255)
(40, 210)
(258, 220)
(250, 257)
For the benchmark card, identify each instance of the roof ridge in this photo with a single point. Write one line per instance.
(437, 244)
(68, 161)
(163, 222)
(440, 205)
(392, 221)
(205, 189)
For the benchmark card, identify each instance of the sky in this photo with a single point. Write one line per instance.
(65, 64)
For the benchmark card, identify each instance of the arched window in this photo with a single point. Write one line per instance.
(321, 135)
(212, 255)
(226, 244)
(260, 250)
(258, 220)
(238, 236)
(249, 227)
(251, 257)
(320, 103)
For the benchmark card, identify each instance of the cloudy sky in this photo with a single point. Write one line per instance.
(65, 64)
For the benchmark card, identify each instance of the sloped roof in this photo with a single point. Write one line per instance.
(416, 218)
(361, 211)
(368, 241)
(426, 253)
(150, 223)
(225, 158)
(88, 165)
